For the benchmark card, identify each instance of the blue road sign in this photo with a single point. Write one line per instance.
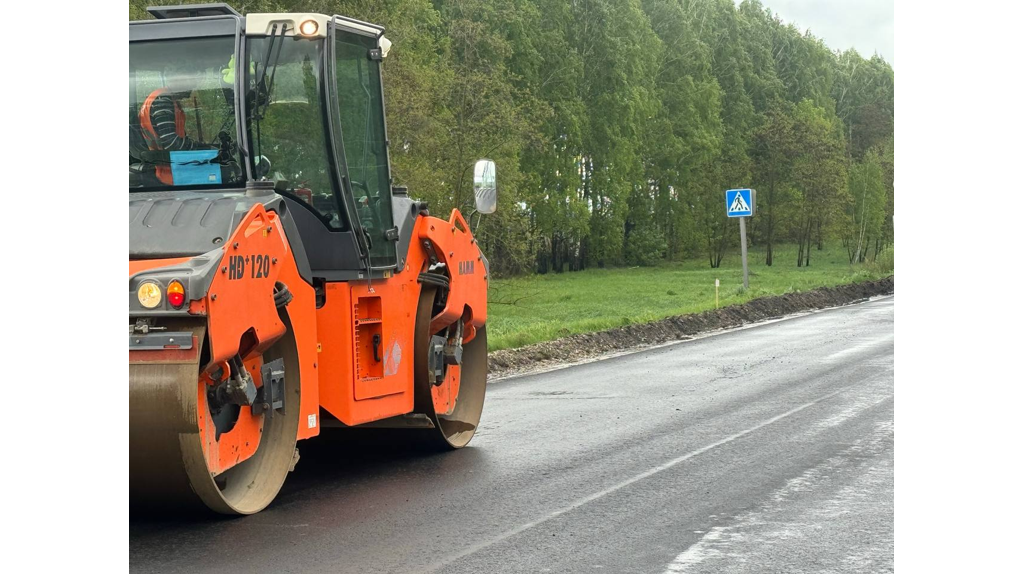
(739, 202)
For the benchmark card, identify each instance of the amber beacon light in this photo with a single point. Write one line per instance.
(308, 27)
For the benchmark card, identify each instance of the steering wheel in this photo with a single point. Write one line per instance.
(361, 185)
(369, 216)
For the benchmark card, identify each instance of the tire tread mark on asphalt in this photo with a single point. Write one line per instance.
(619, 486)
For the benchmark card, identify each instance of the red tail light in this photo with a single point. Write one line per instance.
(176, 294)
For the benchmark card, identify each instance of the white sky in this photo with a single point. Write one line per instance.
(866, 25)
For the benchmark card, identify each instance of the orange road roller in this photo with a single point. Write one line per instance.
(279, 283)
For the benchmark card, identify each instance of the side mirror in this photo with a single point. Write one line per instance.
(485, 186)
(262, 167)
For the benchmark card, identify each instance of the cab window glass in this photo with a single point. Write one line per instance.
(181, 115)
(286, 131)
(361, 118)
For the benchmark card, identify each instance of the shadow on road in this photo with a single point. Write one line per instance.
(338, 460)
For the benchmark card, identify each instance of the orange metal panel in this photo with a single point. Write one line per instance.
(303, 318)
(147, 264)
(241, 297)
(237, 444)
(392, 373)
(378, 389)
(334, 335)
(241, 302)
(457, 249)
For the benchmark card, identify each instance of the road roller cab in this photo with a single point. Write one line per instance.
(279, 283)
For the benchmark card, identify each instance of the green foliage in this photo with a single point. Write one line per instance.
(645, 246)
(818, 174)
(866, 217)
(884, 262)
(774, 145)
(616, 126)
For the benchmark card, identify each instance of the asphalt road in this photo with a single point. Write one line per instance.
(766, 449)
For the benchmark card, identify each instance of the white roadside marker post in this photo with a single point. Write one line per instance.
(743, 250)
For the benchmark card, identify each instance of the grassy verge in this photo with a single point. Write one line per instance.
(539, 308)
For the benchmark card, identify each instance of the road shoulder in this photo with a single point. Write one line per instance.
(588, 347)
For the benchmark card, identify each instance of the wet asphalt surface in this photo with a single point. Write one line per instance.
(766, 449)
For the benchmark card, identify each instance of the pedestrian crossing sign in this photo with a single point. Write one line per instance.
(739, 202)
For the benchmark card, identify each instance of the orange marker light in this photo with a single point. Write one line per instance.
(176, 294)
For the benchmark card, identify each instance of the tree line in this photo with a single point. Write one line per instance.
(617, 125)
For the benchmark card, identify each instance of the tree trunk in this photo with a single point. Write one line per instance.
(863, 225)
(800, 248)
(807, 253)
(556, 263)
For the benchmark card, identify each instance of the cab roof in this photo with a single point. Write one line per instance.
(220, 18)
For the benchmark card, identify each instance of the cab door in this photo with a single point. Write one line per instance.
(380, 311)
(358, 104)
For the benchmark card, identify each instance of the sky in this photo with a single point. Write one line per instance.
(866, 25)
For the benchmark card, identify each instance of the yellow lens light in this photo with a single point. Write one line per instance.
(149, 295)
(308, 27)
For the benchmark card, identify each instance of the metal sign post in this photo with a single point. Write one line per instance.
(740, 203)
(743, 250)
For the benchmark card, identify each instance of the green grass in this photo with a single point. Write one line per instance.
(539, 308)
